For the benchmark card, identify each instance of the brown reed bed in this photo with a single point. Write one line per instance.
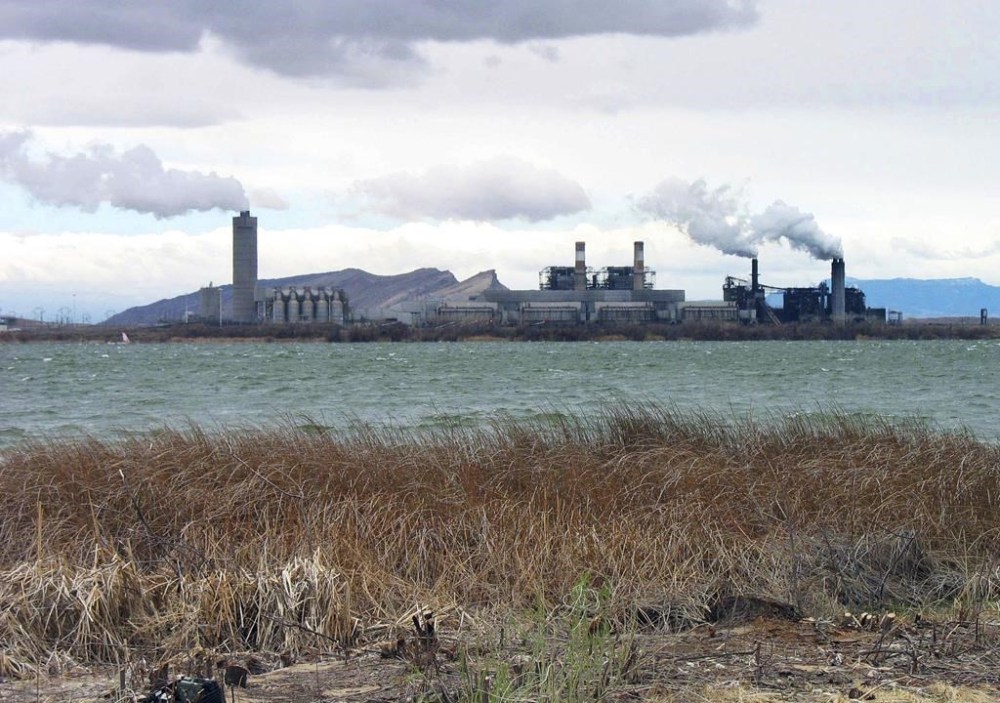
(284, 539)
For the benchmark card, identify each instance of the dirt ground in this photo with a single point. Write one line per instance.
(758, 657)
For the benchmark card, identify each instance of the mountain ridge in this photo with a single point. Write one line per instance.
(930, 297)
(365, 291)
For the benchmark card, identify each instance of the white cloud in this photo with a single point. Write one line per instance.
(133, 180)
(502, 188)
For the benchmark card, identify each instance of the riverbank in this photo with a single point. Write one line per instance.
(615, 553)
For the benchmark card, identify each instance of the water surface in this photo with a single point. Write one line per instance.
(52, 389)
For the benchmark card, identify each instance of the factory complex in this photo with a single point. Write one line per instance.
(576, 294)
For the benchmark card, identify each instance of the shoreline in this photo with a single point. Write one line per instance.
(398, 332)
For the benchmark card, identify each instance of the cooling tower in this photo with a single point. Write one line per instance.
(244, 267)
(837, 288)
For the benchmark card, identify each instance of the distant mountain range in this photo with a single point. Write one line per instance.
(922, 298)
(365, 291)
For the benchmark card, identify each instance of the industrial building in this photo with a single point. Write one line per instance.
(570, 295)
(210, 307)
(837, 302)
(251, 304)
(579, 294)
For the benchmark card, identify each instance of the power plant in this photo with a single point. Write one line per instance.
(566, 294)
(835, 302)
(578, 294)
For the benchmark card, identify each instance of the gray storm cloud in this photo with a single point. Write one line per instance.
(305, 37)
(132, 180)
(498, 189)
(719, 218)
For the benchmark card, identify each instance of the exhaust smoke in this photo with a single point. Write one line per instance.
(719, 218)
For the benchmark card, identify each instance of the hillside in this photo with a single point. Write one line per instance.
(364, 291)
(923, 298)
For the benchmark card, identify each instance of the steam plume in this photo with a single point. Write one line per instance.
(718, 218)
(799, 229)
(133, 180)
(710, 217)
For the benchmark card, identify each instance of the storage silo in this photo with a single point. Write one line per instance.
(211, 303)
(307, 311)
(292, 309)
(277, 306)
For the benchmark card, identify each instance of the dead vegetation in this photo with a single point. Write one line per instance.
(185, 546)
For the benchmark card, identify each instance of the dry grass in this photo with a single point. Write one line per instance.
(935, 693)
(262, 539)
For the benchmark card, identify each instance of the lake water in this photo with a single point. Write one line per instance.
(49, 390)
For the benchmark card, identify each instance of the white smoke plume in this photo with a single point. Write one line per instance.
(780, 221)
(133, 180)
(719, 218)
(710, 217)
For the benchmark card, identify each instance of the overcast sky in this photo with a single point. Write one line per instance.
(389, 135)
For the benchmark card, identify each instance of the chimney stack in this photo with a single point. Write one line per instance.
(580, 273)
(639, 268)
(754, 276)
(838, 301)
(244, 267)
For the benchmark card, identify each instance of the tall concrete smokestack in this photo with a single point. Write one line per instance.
(838, 301)
(580, 272)
(244, 267)
(639, 268)
(754, 275)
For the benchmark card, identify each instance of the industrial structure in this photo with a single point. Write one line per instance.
(836, 302)
(210, 303)
(575, 294)
(289, 305)
(251, 304)
(244, 268)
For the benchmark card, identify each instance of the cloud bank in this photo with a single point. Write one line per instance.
(498, 189)
(304, 37)
(133, 180)
(719, 218)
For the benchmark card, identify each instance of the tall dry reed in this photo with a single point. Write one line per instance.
(262, 539)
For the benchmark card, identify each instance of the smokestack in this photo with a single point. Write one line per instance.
(754, 276)
(639, 268)
(837, 290)
(244, 267)
(580, 273)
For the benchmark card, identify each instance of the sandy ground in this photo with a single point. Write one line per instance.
(757, 657)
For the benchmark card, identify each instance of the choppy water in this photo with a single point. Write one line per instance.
(48, 390)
